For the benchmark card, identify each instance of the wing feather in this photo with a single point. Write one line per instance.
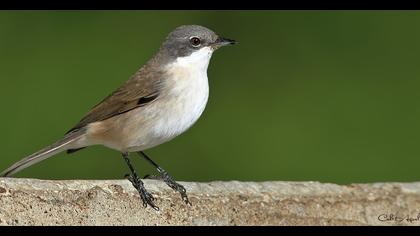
(141, 89)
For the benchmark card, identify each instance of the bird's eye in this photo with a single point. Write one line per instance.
(195, 41)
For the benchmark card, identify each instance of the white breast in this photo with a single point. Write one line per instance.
(181, 102)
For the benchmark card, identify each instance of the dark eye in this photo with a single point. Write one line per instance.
(195, 41)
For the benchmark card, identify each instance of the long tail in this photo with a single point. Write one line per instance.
(59, 146)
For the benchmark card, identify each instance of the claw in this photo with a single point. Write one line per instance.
(145, 196)
(148, 200)
(175, 186)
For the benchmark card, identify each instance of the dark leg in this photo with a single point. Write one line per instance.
(168, 179)
(138, 184)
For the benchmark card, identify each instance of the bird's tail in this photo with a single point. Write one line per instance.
(66, 143)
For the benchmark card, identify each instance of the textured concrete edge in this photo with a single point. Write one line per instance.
(116, 202)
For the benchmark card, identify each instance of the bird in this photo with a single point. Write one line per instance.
(161, 100)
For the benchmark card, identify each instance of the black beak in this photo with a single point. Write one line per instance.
(224, 41)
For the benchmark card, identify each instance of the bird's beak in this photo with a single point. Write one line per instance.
(223, 42)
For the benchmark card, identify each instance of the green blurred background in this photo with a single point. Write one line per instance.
(329, 96)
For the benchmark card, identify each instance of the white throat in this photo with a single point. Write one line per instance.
(198, 60)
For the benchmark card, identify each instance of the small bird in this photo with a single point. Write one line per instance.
(161, 100)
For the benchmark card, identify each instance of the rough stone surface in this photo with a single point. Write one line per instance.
(116, 202)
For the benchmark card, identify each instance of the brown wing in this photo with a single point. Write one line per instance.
(138, 91)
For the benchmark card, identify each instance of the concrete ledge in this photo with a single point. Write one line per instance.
(116, 202)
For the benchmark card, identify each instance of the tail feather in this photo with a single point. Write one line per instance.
(57, 147)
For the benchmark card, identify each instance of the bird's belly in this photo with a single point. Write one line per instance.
(167, 117)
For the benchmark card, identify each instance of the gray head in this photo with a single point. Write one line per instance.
(186, 39)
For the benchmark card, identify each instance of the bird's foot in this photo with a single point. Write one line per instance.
(175, 186)
(146, 197)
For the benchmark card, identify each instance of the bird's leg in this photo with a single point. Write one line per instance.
(138, 184)
(168, 179)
